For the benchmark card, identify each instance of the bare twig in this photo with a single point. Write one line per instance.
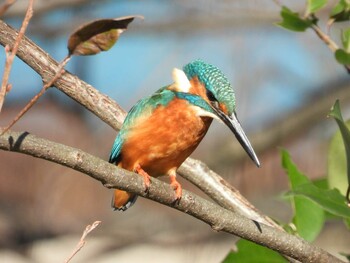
(6, 6)
(325, 38)
(111, 176)
(82, 241)
(328, 41)
(11, 55)
(58, 74)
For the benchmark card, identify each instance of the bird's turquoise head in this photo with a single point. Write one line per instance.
(218, 87)
(221, 96)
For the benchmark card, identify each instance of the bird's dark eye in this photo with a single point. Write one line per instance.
(210, 96)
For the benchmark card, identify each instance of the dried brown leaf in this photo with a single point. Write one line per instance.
(99, 35)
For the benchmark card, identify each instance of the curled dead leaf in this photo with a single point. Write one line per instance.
(96, 36)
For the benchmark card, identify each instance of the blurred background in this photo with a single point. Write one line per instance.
(285, 84)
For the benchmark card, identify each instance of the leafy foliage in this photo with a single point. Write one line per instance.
(346, 39)
(315, 5)
(341, 12)
(343, 55)
(250, 252)
(292, 21)
(336, 114)
(308, 216)
(337, 174)
(330, 200)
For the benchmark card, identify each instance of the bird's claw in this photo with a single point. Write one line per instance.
(146, 177)
(177, 188)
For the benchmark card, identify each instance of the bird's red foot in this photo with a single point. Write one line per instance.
(146, 177)
(176, 186)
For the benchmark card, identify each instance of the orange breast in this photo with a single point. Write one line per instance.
(164, 140)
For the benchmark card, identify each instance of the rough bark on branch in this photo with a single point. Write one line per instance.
(220, 219)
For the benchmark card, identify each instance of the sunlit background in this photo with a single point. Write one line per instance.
(279, 77)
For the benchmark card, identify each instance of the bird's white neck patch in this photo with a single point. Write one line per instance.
(181, 82)
(203, 113)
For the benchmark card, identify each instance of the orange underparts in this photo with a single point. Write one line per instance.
(158, 144)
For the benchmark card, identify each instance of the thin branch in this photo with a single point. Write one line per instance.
(11, 56)
(6, 6)
(58, 74)
(82, 241)
(325, 38)
(220, 219)
(328, 41)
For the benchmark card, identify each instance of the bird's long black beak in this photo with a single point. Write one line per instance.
(234, 125)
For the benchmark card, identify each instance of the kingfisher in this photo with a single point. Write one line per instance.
(162, 130)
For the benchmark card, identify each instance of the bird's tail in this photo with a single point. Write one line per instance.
(122, 200)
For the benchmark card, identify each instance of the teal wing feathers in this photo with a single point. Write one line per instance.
(116, 148)
(143, 108)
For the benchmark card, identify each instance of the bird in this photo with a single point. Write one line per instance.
(162, 130)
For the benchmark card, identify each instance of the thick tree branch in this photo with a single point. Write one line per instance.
(110, 112)
(221, 191)
(220, 219)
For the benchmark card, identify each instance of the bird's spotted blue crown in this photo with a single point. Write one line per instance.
(214, 80)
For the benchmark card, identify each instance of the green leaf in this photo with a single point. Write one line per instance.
(341, 12)
(321, 183)
(308, 216)
(315, 5)
(342, 57)
(253, 253)
(347, 223)
(292, 21)
(347, 255)
(346, 39)
(337, 174)
(330, 200)
(336, 114)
